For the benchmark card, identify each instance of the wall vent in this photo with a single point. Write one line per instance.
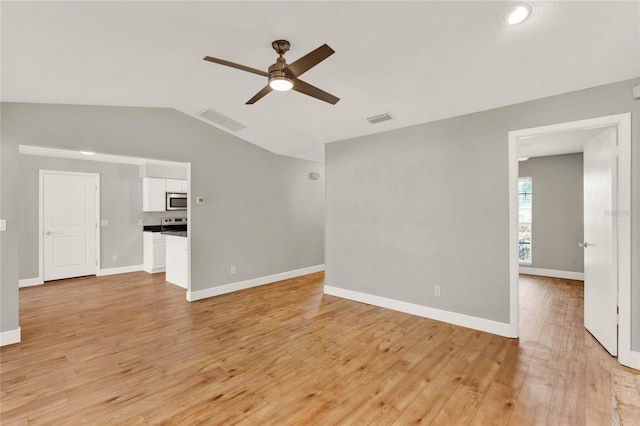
(378, 118)
(222, 120)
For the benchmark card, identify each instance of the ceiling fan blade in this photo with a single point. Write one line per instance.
(309, 61)
(259, 95)
(234, 65)
(307, 89)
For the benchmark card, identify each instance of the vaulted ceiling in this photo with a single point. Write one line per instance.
(418, 61)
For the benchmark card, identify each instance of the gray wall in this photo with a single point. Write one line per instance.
(428, 205)
(557, 224)
(263, 214)
(120, 204)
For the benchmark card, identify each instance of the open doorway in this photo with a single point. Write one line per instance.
(119, 217)
(542, 141)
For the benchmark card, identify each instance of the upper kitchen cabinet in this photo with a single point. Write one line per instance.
(154, 194)
(176, 185)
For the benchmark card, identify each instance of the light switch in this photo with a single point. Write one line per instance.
(199, 200)
(3, 224)
(104, 222)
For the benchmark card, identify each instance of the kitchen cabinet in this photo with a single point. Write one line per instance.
(154, 252)
(154, 194)
(176, 185)
(177, 260)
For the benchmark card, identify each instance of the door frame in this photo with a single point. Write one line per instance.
(622, 123)
(41, 217)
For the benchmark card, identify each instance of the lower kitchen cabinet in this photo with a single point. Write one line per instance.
(177, 260)
(155, 248)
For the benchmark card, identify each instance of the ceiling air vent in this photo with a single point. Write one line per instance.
(378, 118)
(221, 120)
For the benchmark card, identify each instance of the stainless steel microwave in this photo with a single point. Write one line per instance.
(176, 201)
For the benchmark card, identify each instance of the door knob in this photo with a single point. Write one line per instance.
(584, 245)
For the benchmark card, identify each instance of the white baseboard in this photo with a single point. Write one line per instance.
(28, 282)
(119, 270)
(10, 337)
(489, 326)
(192, 296)
(630, 359)
(568, 275)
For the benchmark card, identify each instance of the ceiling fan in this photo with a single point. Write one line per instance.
(283, 76)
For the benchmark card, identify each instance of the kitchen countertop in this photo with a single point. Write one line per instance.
(175, 233)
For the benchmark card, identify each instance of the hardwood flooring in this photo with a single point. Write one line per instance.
(128, 349)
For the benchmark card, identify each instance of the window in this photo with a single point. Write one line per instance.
(524, 220)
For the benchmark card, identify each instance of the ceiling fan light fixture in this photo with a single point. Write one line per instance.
(281, 83)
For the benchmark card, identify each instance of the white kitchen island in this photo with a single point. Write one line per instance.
(177, 263)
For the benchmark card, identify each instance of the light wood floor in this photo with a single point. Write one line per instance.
(128, 349)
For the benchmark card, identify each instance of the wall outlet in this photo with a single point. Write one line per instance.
(233, 270)
(436, 290)
(3, 224)
(199, 200)
(104, 222)
(115, 257)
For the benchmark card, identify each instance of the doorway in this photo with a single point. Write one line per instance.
(621, 235)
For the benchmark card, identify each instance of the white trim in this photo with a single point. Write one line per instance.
(192, 296)
(41, 216)
(119, 270)
(10, 337)
(189, 210)
(631, 359)
(482, 324)
(514, 293)
(568, 275)
(29, 282)
(622, 122)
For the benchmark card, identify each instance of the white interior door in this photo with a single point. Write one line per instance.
(69, 225)
(600, 259)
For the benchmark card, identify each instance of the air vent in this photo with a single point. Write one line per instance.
(222, 120)
(378, 118)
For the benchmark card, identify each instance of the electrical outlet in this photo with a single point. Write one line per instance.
(115, 257)
(233, 270)
(436, 290)
(3, 224)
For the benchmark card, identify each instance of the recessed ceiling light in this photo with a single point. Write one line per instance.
(87, 153)
(517, 14)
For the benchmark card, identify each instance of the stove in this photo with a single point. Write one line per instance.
(173, 224)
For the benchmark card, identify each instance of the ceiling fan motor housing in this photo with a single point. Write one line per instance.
(281, 46)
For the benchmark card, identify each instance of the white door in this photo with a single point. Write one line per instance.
(600, 258)
(69, 225)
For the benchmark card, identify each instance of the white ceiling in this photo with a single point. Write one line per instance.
(419, 61)
(568, 142)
